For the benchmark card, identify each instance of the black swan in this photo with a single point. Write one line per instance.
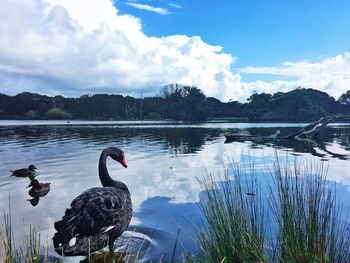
(25, 172)
(97, 216)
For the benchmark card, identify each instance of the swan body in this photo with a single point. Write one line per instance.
(25, 172)
(97, 216)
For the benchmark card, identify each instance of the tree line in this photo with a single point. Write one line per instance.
(175, 102)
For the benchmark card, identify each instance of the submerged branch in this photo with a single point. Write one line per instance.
(311, 130)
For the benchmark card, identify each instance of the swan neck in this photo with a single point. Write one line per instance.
(105, 178)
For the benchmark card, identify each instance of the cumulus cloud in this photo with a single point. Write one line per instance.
(75, 47)
(72, 49)
(158, 10)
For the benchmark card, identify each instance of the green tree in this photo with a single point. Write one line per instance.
(344, 99)
(258, 105)
(57, 114)
(186, 103)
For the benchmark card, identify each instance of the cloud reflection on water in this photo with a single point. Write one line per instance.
(164, 165)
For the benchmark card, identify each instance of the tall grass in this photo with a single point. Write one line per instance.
(308, 216)
(296, 220)
(235, 221)
(9, 253)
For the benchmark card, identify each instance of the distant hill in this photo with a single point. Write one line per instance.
(296, 105)
(176, 102)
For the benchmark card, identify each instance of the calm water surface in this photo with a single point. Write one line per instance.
(165, 159)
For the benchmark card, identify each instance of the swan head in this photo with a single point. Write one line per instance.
(119, 156)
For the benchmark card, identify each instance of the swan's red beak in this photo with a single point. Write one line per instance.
(123, 162)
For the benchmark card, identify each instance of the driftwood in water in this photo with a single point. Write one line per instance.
(230, 137)
(305, 140)
(311, 130)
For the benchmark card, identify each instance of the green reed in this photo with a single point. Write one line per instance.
(235, 221)
(308, 216)
(299, 203)
(9, 253)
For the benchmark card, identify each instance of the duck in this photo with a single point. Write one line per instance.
(38, 189)
(24, 172)
(96, 217)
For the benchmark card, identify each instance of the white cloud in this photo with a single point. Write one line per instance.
(71, 49)
(175, 5)
(331, 75)
(74, 47)
(158, 10)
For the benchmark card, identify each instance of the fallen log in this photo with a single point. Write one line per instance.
(311, 130)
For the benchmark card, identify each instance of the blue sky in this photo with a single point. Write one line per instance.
(259, 33)
(229, 49)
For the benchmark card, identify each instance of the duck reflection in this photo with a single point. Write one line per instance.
(37, 190)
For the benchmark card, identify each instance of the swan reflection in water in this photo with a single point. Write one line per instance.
(37, 190)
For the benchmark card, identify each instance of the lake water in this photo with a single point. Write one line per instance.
(165, 160)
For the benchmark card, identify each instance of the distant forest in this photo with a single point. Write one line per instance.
(176, 102)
